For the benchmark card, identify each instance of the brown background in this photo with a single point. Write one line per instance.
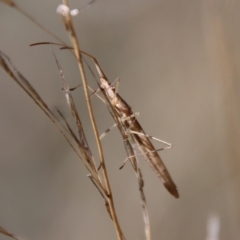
(179, 67)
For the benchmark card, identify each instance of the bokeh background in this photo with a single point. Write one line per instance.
(179, 67)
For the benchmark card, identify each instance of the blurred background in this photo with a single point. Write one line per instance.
(179, 67)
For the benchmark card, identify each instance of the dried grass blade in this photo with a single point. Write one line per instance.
(26, 86)
(6, 233)
(101, 193)
(67, 20)
(82, 141)
(138, 173)
(22, 82)
(129, 147)
(84, 159)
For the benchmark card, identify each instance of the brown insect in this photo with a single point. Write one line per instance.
(133, 128)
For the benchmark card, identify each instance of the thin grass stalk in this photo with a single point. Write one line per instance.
(67, 19)
(128, 144)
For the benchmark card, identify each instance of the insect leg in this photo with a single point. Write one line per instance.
(169, 145)
(107, 131)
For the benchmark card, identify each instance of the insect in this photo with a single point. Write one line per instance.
(128, 120)
(133, 129)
